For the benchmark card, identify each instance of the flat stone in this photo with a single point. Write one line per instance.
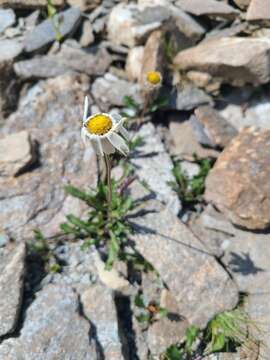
(259, 10)
(26, 4)
(184, 143)
(201, 287)
(247, 258)
(99, 307)
(67, 59)
(232, 60)
(134, 63)
(214, 126)
(243, 4)
(12, 267)
(7, 18)
(208, 7)
(169, 330)
(50, 112)
(53, 328)
(16, 153)
(9, 50)
(128, 26)
(44, 33)
(154, 166)
(258, 308)
(87, 36)
(238, 184)
(189, 97)
(186, 24)
(111, 90)
(84, 5)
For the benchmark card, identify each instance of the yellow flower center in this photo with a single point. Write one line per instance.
(153, 77)
(99, 124)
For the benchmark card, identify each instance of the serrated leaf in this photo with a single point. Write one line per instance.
(138, 301)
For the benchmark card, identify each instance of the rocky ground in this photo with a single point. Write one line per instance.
(206, 237)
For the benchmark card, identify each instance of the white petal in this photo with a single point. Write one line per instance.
(118, 143)
(117, 117)
(83, 135)
(97, 146)
(124, 132)
(85, 109)
(107, 146)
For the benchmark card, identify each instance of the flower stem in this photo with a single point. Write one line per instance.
(109, 179)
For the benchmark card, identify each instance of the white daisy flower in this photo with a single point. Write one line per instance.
(102, 130)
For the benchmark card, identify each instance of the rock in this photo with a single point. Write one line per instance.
(189, 97)
(16, 153)
(12, 269)
(169, 330)
(247, 259)
(258, 308)
(99, 307)
(111, 90)
(184, 144)
(243, 4)
(186, 24)
(128, 26)
(190, 169)
(199, 284)
(67, 59)
(259, 10)
(9, 50)
(45, 33)
(233, 60)
(208, 7)
(134, 63)
(87, 36)
(26, 4)
(153, 56)
(235, 29)
(53, 328)
(84, 5)
(7, 18)
(147, 163)
(4, 238)
(245, 200)
(51, 113)
(216, 128)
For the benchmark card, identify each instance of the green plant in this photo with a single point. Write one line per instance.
(39, 246)
(227, 331)
(150, 312)
(132, 105)
(159, 103)
(101, 227)
(190, 191)
(52, 14)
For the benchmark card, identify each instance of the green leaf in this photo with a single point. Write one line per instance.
(217, 343)
(138, 301)
(143, 318)
(162, 312)
(159, 103)
(38, 235)
(191, 335)
(129, 102)
(113, 251)
(173, 353)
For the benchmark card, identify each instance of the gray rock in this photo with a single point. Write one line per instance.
(53, 329)
(67, 59)
(9, 50)
(217, 130)
(16, 153)
(7, 18)
(259, 11)
(45, 33)
(258, 308)
(12, 269)
(154, 166)
(51, 113)
(99, 307)
(208, 7)
(111, 90)
(190, 97)
(4, 238)
(232, 60)
(243, 4)
(184, 143)
(245, 200)
(199, 284)
(125, 26)
(87, 36)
